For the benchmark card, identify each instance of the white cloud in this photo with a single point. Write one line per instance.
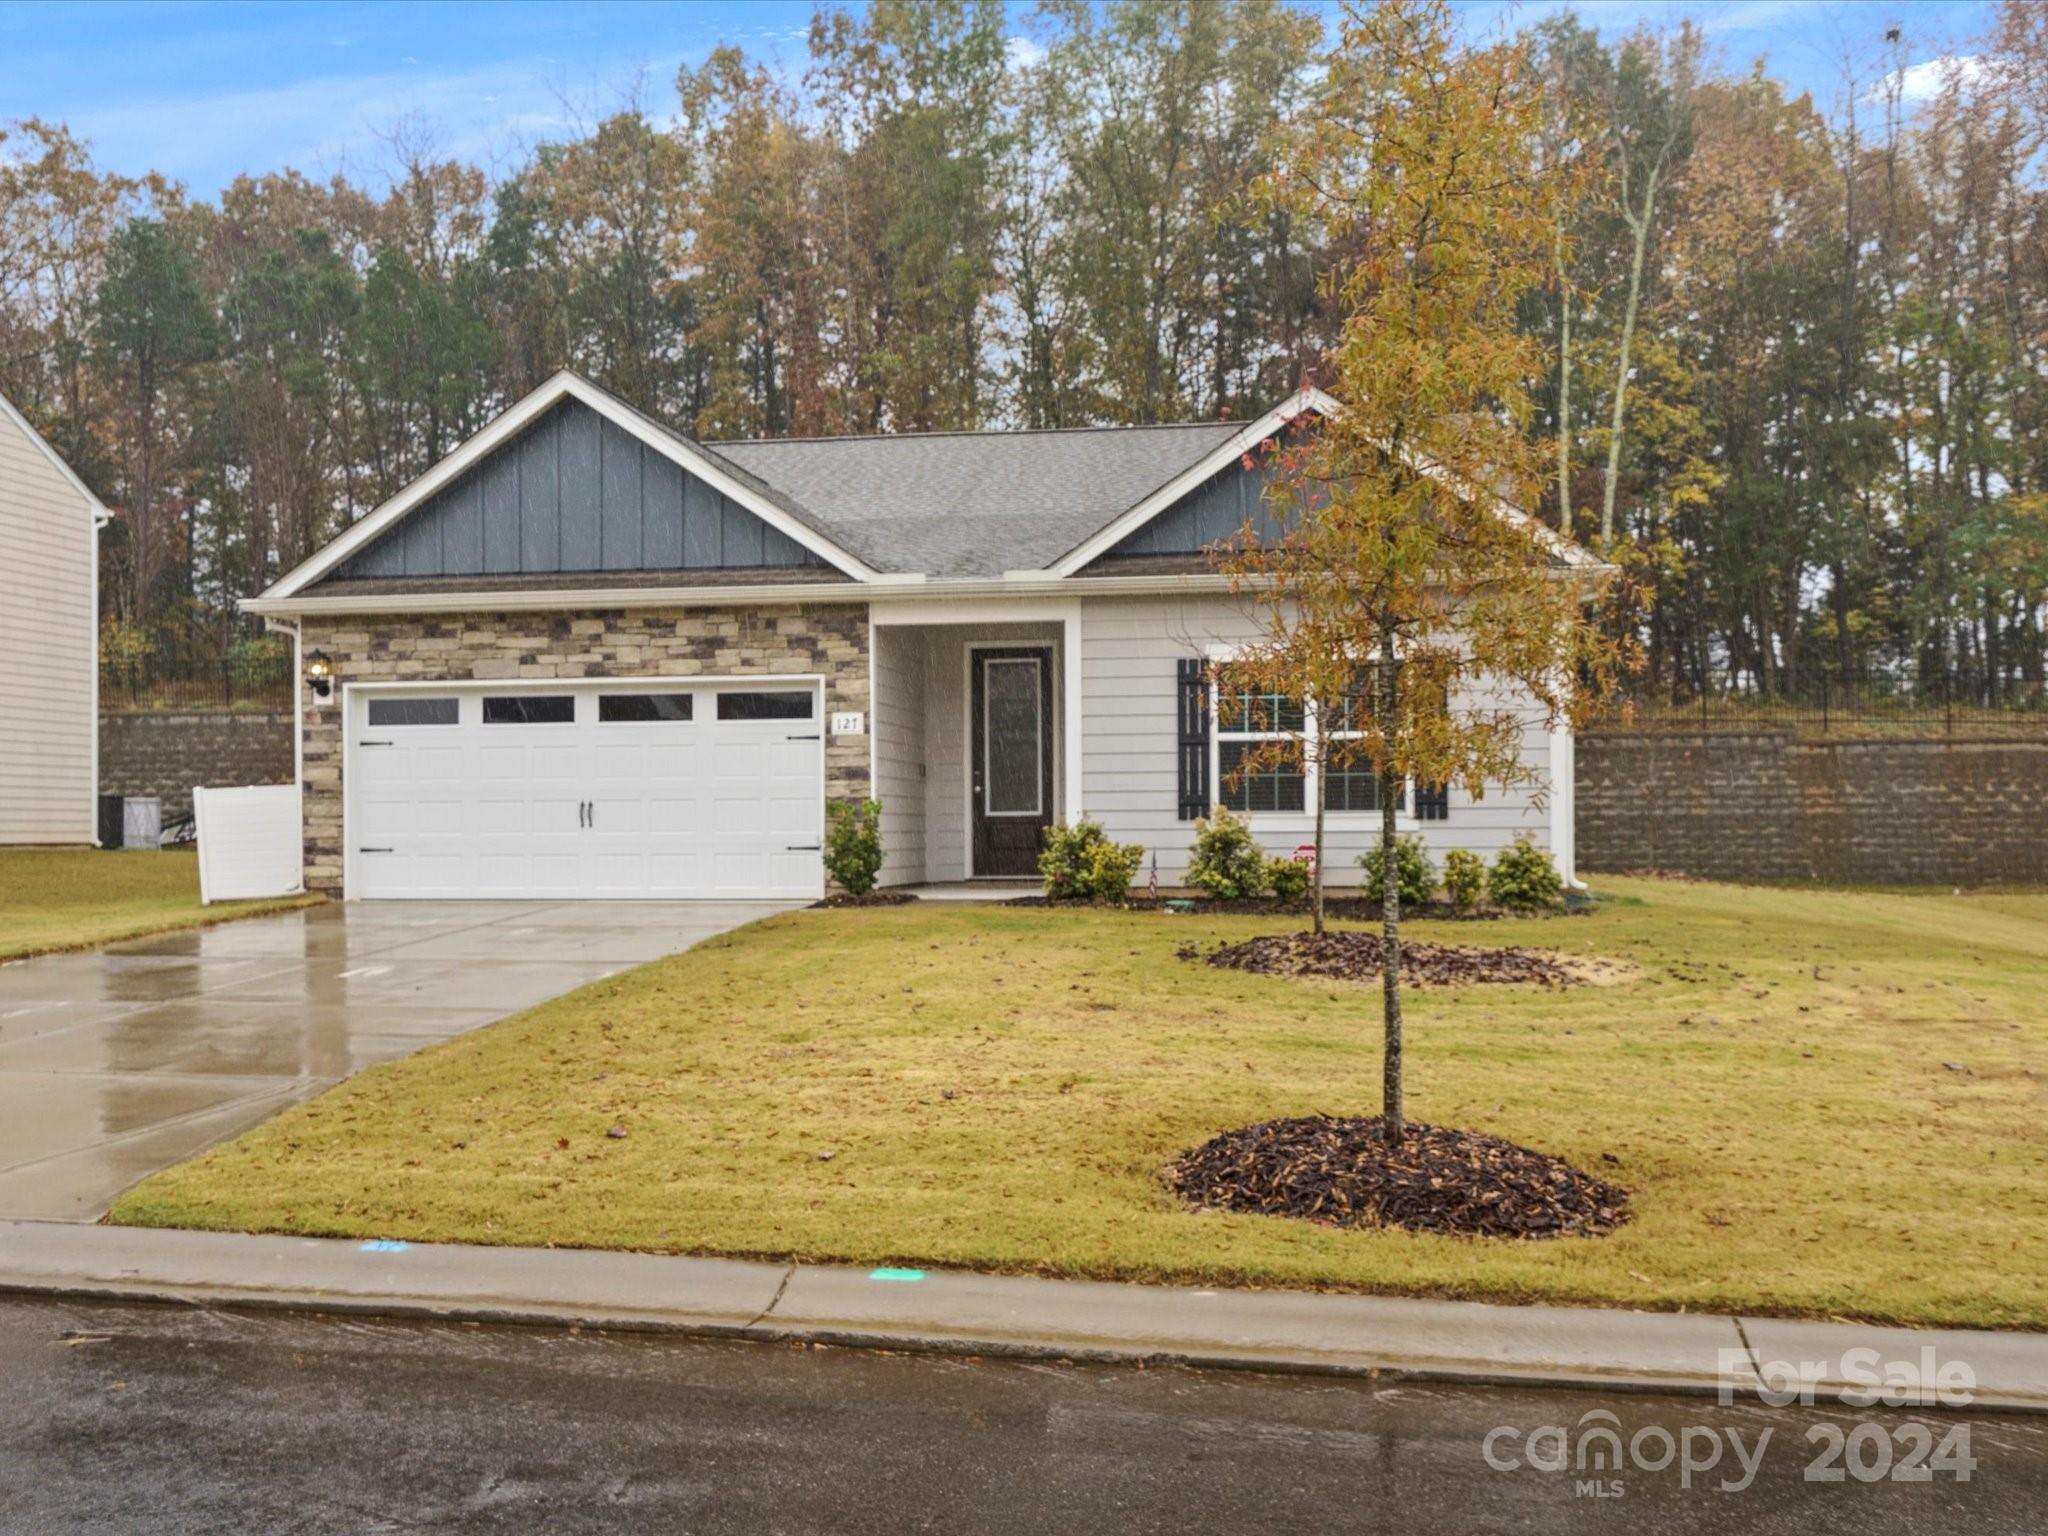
(1923, 82)
(1752, 16)
(1022, 52)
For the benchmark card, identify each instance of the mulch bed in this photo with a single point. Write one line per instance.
(1345, 908)
(872, 899)
(1350, 956)
(1344, 1173)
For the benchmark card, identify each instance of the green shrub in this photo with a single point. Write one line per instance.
(1464, 878)
(853, 844)
(1287, 880)
(1412, 869)
(1524, 878)
(1227, 862)
(1080, 863)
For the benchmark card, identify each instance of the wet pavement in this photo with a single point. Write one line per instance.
(121, 1061)
(117, 1418)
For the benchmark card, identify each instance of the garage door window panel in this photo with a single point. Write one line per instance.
(405, 712)
(645, 708)
(531, 709)
(780, 705)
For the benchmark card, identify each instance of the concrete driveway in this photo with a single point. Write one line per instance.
(121, 1061)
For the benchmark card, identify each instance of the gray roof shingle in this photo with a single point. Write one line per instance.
(970, 503)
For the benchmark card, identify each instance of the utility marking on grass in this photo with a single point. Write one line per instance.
(385, 1245)
(895, 1274)
(365, 970)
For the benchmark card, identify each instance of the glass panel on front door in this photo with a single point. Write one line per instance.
(1014, 783)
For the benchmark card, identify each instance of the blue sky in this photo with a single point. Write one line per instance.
(202, 91)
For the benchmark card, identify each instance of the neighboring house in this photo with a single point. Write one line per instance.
(587, 656)
(49, 642)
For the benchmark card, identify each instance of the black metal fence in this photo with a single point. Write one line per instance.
(1883, 702)
(248, 678)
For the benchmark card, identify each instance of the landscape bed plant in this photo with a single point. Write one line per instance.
(1080, 863)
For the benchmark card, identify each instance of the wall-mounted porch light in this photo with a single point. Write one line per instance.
(320, 672)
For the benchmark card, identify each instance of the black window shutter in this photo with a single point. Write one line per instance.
(1433, 803)
(1194, 739)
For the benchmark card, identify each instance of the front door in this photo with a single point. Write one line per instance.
(1012, 725)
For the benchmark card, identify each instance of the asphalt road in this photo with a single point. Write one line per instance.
(157, 1419)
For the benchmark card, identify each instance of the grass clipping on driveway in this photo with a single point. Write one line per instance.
(1821, 1103)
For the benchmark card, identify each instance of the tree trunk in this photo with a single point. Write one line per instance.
(1394, 1118)
(1564, 388)
(1640, 227)
(1322, 806)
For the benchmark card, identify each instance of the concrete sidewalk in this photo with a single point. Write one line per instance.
(965, 1313)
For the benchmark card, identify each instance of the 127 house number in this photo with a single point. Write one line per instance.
(1871, 1453)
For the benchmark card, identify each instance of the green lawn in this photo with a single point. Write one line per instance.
(1000, 1088)
(73, 898)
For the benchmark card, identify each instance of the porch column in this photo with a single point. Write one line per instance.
(1070, 693)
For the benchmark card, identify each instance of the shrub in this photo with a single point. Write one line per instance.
(853, 844)
(1287, 880)
(1464, 878)
(1080, 863)
(1524, 878)
(1412, 869)
(1226, 862)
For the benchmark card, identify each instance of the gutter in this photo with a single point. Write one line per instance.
(1022, 584)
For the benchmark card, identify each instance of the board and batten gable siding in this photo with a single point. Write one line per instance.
(48, 649)
(575, 492)
(1212, 512)
(1130, 648)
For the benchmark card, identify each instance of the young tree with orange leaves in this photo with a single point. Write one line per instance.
(1409, 593)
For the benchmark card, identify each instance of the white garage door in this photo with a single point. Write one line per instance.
(614, 789)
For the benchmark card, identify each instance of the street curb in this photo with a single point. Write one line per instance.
(1041, 1348)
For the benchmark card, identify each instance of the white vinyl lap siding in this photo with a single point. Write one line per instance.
(1129, 650)
(47, 618)
(900, 728)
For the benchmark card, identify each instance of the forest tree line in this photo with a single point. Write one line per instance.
(1798, 349)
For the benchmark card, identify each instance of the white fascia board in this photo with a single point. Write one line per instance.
(100, 516)
(1106, 539)
(1567, 551)
(507, 426)
(883, 598)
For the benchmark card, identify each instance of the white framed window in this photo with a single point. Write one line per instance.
(1246, 723)
(1243, 721)
(1353, 785)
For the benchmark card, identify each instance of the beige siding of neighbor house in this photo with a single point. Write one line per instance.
(48, 665)
(1130, 734)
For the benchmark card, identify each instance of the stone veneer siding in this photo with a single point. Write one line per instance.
(781, 638)
(1766, 805)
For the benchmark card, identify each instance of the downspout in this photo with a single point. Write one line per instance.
(290, 627)
(92, 662)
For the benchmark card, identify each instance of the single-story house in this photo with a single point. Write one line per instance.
(586, 655)
(49, 642)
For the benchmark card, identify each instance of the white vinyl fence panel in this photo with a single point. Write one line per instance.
(248, 842)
